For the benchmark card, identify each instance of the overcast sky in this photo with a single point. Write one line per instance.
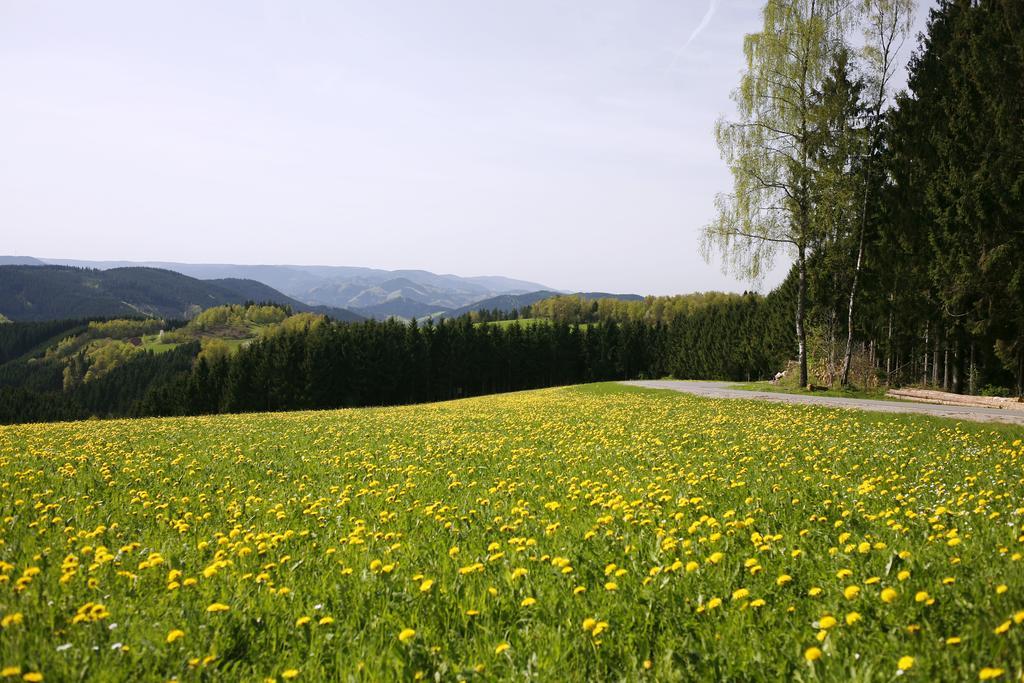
(564, 142)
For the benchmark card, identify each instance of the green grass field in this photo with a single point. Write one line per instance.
(151, 342)
(585, 533)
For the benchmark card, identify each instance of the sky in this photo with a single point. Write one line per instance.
(568, 143)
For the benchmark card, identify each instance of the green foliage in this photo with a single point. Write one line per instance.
(575, 309)
(769, 146)
(124, 329)
(299, 321)
(106, 355)
(214, 351)
(235, 322)
(990, 390)
(237, 316)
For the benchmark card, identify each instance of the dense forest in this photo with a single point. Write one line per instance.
(903, 212)
(312, 362)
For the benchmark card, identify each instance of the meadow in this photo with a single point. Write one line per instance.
(582, 533)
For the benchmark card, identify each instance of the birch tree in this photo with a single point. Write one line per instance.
(768, 146)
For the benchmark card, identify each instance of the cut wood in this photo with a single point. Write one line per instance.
(948, 399)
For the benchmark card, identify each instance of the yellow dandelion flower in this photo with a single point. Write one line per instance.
(12, 619)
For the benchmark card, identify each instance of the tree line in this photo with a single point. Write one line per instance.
(903, 212)
(319, 363)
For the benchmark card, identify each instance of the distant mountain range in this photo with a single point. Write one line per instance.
(340, 286)
(344, 292)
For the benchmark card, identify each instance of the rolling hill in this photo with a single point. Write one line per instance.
(346, 287)
(402, 307)
(33, 292)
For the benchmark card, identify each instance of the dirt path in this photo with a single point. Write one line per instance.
(725, 390)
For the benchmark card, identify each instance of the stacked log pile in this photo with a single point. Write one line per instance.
(948, 399)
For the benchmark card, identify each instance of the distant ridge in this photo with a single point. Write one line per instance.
(34, 292)
(400, 307)
(20, 261)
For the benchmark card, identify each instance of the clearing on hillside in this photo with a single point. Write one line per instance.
(584, 533)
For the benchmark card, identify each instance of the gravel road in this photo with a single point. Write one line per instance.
(726, 390)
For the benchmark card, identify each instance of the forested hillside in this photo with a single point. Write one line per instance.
(31, 292)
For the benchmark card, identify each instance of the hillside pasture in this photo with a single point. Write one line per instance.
(582, 533)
